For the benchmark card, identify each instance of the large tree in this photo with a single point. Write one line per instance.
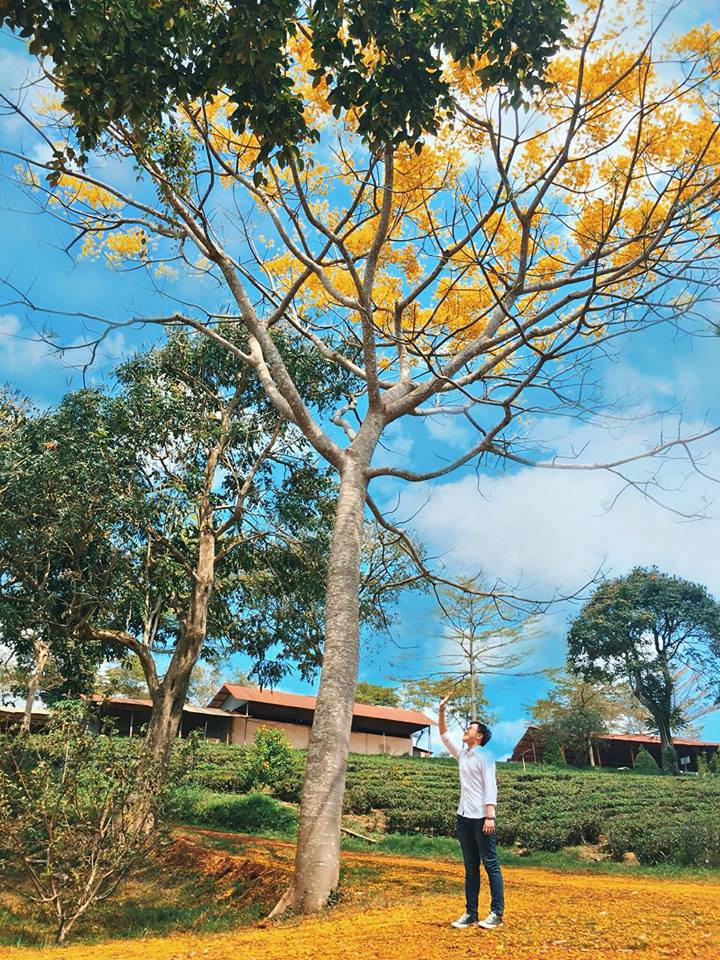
(640, 629)
(474, 273)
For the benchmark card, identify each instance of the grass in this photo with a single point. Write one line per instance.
(424, 847)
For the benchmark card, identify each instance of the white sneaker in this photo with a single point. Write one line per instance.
(491, 922)
(466, 920)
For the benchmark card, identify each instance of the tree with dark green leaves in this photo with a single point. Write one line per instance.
(376, 694)
(137, 60)
(642, 628)
(176, 515)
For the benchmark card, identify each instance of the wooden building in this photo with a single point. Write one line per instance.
(616, 750)
(374, 729)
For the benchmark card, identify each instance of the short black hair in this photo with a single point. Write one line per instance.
(483, 729)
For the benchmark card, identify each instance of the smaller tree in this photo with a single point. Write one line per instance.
(645, 762)
(552, 754)
(68, 815)
(641, 629)
(123, 679)
(574, 711)
(377, 695)
(481, 639)
(574, 731)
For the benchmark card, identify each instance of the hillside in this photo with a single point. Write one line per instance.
(542, 808)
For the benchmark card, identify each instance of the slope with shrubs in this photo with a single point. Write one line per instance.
(659, 818)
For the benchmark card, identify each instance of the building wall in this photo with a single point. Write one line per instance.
(245, 728)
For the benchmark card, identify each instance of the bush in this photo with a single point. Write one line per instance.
(552, 754)
(246, 813)
(76, 814)
(269, 761)
(645, 762)
(269, 764)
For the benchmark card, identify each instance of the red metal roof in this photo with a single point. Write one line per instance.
(301, 702)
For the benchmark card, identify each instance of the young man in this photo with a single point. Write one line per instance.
(476, 820)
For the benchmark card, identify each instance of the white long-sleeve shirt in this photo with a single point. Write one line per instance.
(478, 785)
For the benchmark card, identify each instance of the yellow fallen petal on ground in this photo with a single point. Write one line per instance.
(549, 914)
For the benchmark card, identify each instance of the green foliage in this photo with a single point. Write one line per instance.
(92, 573)
(542, 808)
(247, 813)
(645, 762)
(75, 814)
(641, 627)
(268, 764)
(669, 758)
(269, 761)
(124, 679)
(675, 838)
(573, 730)
(552, 754)
(376, 694)
(145, 58)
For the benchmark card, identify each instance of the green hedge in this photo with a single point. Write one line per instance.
(674, 839)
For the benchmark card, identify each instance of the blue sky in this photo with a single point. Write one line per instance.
(543, 530)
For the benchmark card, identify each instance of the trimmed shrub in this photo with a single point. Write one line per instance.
(645, 762)
(701, 843)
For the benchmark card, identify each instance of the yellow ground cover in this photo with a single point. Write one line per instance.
(549, 914)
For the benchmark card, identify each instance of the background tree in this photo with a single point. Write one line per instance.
(574, 710)
(480, 288)
(480, 637)
(123, 679)
(377, 694)
(641, 628)
(203, 525)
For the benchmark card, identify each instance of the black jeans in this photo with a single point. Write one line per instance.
(479, 847)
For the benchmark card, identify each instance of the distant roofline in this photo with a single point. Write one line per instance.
(632, 737)
(303, 702)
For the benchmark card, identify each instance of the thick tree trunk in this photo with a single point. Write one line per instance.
(42, 654)
(317, 864)
(171, 694)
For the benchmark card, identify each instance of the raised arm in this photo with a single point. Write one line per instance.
(442, 727)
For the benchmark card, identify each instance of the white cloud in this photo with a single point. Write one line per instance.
(554, 528)
(18, 350)
(449, 430)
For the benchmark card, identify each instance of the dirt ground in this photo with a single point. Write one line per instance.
(396, 908)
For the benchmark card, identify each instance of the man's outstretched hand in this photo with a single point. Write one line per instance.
(445, 700)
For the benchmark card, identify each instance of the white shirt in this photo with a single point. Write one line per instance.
(478, 785)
